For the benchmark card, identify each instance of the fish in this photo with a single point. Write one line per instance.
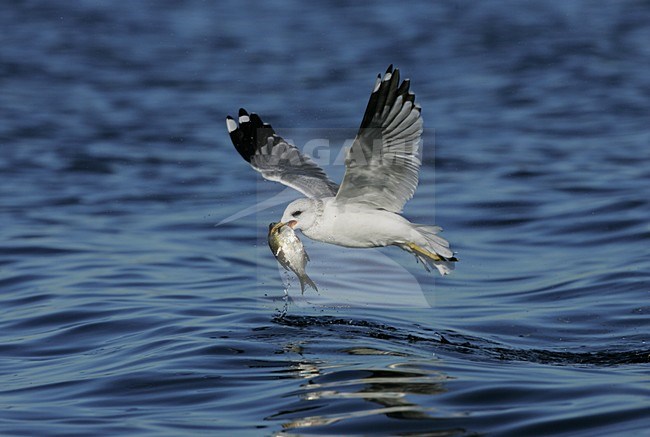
(290, 253)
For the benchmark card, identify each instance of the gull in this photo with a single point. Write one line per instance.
(381, 175)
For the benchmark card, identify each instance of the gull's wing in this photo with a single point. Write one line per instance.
(383, 162)
(276, 159)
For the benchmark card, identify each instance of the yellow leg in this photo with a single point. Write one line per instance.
(417, 249)
(422, 251)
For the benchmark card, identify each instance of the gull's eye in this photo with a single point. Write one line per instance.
(297, 213)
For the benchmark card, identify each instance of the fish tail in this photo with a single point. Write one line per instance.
(306, 280)
(431, 249)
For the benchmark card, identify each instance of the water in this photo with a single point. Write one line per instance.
(123, 308)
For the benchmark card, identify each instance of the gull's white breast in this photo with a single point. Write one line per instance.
(356, 225)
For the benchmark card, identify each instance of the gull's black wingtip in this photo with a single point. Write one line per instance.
(240, 135)
(257, 121)
(250, 134)
(392, 73)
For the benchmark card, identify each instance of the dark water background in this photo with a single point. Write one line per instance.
(123, 309)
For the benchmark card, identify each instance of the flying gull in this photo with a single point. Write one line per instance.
(381, 175)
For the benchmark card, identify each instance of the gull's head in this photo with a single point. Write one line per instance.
(301, 213)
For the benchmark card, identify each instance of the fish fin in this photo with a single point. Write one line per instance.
(306, 280)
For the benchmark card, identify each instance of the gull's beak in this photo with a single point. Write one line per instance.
(276, 227)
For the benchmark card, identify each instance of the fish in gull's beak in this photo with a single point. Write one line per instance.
(274, 227)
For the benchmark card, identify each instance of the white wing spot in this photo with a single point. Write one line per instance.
(231, 125)
(377, 84)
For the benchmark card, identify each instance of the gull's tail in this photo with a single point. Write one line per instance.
(430, 249)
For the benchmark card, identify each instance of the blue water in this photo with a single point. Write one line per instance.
(124, 309)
